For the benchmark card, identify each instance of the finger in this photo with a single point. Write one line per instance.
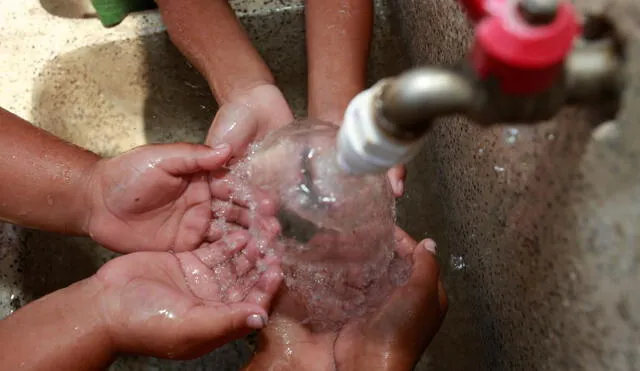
(184, 158)
(245, 260)
(219, 228)
(396, 178)
(414, 313)
(231, 213)
(242, 285)
(425, 274)
(234, 124)
(220, 324)
(229, 189)
(223, 250)
(264, 291)
(405, 245)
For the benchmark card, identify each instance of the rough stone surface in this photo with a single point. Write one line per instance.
(537, 226)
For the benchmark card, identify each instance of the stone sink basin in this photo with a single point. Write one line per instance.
(110, 97)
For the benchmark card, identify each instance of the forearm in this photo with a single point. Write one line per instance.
(208, 33)
(60, 331)
(338, 38)
(42, 177)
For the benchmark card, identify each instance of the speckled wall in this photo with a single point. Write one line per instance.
(538, 227)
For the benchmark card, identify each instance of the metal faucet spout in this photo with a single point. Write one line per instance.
(409, 103)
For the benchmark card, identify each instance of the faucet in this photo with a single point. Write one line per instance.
(530, 58)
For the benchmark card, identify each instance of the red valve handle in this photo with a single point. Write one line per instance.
(524, 58)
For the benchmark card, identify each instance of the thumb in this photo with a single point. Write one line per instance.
(234, 124)
(222, 323)
(413, 314)
(424, 284)
(183, 158)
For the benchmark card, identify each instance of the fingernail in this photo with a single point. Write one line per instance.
(430, 245)
(221, 147)
(256, 321)
(399, 187)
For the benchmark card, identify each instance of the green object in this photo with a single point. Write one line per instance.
(112, 12)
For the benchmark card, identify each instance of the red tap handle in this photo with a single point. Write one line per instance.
(523, 58)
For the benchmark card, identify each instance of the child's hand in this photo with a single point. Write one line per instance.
(154, 197)
(186, 304)
(247, 117)
(392, 338)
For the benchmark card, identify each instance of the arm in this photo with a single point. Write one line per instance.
(338, 37)
(152, 303)
(60, 331)
(208, 33)
(42, 178)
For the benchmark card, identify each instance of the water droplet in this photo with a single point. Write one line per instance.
(167, 313)
(457, 262)
(512, 135)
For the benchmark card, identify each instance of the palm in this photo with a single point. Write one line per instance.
(392, 337)
(207, 293)
(154, 198)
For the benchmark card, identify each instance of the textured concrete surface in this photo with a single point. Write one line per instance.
(537, 226)
(112, 89)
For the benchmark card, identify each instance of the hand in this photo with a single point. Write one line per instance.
(248, 116)
(392, 338)
(186, 304)
(154, 197)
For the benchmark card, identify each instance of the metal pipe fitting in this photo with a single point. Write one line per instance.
(409, 103)
(594, 72)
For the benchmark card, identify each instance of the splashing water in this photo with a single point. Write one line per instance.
(457, 262)
(337, 244)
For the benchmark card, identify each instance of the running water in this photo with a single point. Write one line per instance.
(337, 244)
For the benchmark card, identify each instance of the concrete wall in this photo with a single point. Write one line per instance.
(538, 227)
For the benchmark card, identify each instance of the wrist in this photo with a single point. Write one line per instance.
(241, 89)
(88, 311)
(89, 191)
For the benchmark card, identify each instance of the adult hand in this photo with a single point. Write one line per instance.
(155, 197)
(392, 338)
(186, 304)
